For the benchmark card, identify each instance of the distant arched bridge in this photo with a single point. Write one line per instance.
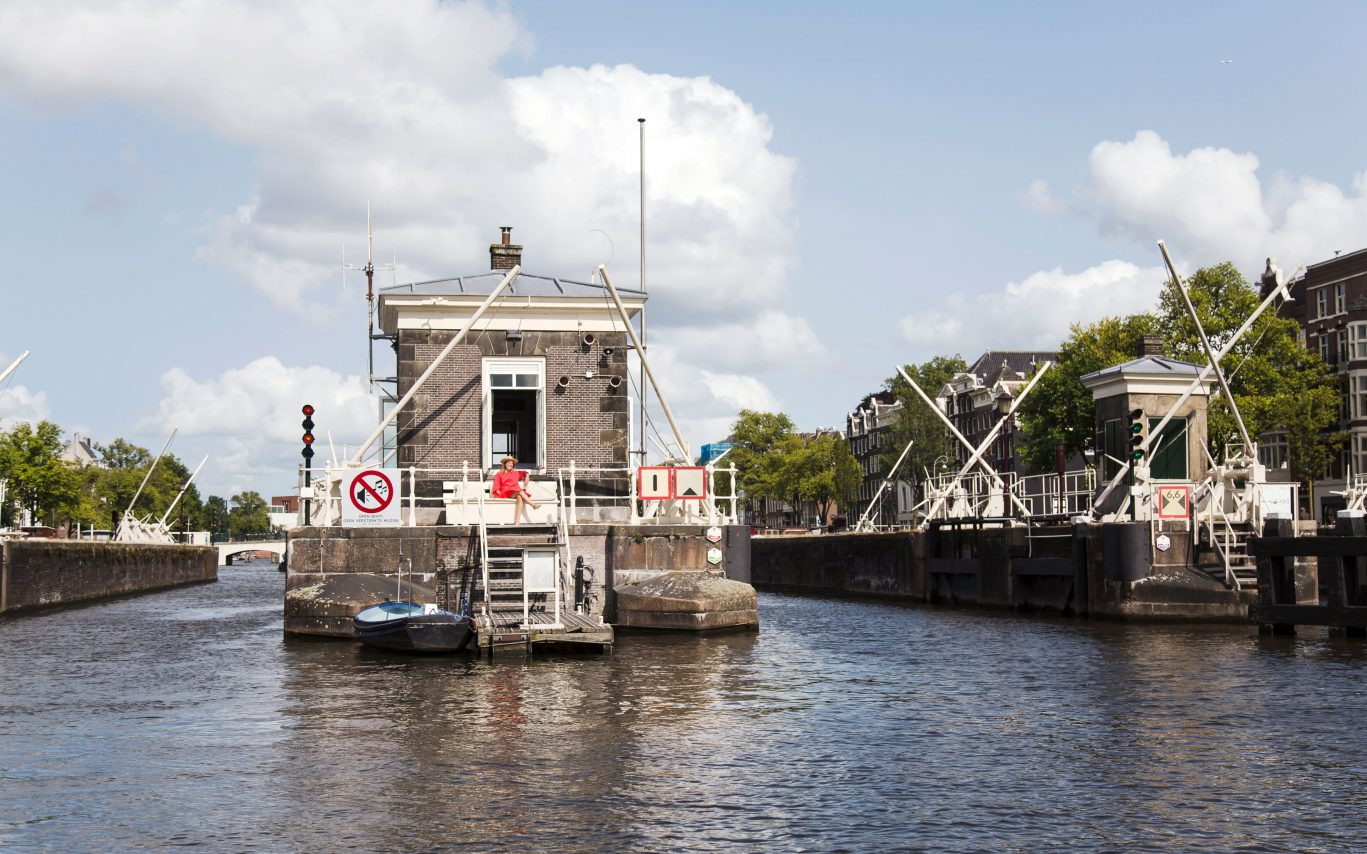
(228, 551)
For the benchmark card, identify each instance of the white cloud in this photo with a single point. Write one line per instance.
(1033, 314)
(1210, 205)
(247, 419)
(770, 339)
(401, 103)
(1040, 199)
(18, 404)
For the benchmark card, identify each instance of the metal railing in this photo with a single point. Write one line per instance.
(1052, 495)
(586, 494)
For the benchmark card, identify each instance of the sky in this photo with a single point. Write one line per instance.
(831, 189)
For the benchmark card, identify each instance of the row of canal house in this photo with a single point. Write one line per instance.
(1329, 301)
(974, 401)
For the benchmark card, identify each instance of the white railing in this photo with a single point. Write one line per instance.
(972, 496)
(1215, 521)
(1052, 495)
(484, 558)
(586, 494)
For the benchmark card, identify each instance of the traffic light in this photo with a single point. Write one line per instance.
(1138, 434)
(307, 424)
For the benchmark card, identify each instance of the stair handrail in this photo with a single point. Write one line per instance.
(562, 566)
(1212, 517)
(484, 553)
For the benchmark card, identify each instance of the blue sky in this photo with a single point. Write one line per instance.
(834, 188)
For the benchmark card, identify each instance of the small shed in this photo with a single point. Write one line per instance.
(1150, 385)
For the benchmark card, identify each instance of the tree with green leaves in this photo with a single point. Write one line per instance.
(38, 479)
(758, 438)
(249, 514)
(820, 469)
(1278, 384)
(215, 517)
(1059, 410)
(916, 423)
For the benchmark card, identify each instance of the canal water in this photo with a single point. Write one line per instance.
(186, 719)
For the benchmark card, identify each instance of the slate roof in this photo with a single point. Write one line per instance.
(992, 364)
(526, 284)
(1145, 365)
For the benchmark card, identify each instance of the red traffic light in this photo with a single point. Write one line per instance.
(308, 438)
(308, 409)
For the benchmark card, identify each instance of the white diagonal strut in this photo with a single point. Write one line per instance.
(645, 363)
(991, 472)
(1249, 448)
(1201, 378)
(863, 520)
(431, 369)
(989, 439)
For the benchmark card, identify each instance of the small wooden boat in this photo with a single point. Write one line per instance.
(413, 627)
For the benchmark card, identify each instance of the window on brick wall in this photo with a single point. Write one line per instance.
(514, 406)
(1322, 302)
(1357, 394)
(1357, 341)
(1340, 298)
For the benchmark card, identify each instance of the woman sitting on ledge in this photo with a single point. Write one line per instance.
(508, 484)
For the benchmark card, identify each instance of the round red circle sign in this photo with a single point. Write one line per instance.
(370, 491)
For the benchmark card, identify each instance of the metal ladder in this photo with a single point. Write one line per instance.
(1230, 542)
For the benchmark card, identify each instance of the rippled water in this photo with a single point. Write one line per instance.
(185, 718)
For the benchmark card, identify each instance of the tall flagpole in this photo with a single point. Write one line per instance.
(641, 452)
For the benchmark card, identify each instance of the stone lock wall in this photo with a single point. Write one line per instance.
(45, 573)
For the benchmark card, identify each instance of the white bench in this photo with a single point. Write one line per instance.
(462, 499)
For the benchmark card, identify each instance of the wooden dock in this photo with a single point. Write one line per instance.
(504, 629)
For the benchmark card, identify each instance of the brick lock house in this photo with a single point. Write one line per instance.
(541, 376)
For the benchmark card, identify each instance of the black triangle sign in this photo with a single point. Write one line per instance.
(690, 491)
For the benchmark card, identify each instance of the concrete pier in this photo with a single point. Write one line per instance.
(333, 572)
(49, 573)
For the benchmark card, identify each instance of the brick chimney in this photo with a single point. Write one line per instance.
(505, 255)
(1151, 345)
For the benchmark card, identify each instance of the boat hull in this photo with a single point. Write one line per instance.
(434, 633)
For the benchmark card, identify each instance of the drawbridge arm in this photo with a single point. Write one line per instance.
(1201, 378)
(987, 441)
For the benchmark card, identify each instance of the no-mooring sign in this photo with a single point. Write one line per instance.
(369, 499)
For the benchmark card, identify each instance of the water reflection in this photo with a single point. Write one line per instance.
(186, 718)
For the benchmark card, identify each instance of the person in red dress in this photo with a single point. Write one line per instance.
(508, 484)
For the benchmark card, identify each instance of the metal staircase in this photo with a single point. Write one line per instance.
(521, 578)
(1229, 541)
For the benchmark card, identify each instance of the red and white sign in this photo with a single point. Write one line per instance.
(1174, 502)
(369, 499)
(690, 482)
(653, 483)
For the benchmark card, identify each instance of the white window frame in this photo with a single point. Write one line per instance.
(1340, 298)
(507, 365)
(1273, 451)
(1357, 394)
(1359, 447)
(1324, 349)
(1357, 341)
